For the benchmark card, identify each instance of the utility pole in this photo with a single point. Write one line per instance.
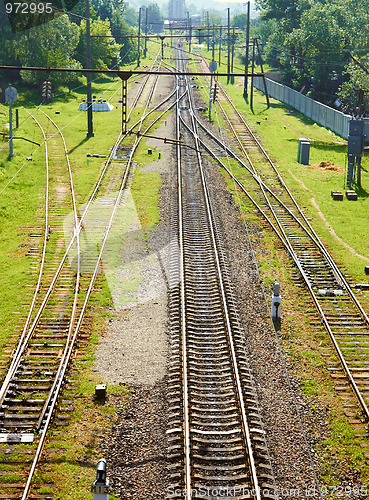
(262, 70)
(90, 129)
(213, 44)
(207, 22)
(139, 35)
(200, 39)
(145, 49)
(188, 31)
(229, 46)
(247, 51)
(232, 58)
(162, 46)
(212, 93)
(220, 43)
(190, 21)
(252, 73)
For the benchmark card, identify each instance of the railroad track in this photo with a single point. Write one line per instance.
(30, 393)
(216, 435)
(336, 301)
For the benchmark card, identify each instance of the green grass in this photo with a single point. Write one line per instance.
(20, 204)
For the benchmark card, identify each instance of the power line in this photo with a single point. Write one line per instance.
(118, 72)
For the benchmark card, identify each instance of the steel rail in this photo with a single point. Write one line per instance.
(22, 344)
(237, 380)
(264, 187)
(77, 285)
(329, 258)
(38, 284)
(295, 258)
(70, 329)
(62, 372)
(313, 236)
(187, 445)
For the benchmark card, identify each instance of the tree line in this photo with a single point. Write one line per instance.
(314, 44)
(62, 41)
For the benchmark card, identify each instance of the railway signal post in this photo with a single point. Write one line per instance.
(10, 97)
(212, 69)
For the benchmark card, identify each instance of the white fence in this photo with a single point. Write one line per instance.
(320, 113)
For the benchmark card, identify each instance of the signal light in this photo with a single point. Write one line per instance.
(214, 92)
(46, 90)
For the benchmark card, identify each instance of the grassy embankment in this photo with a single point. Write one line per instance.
(21, 201)
(341, 450)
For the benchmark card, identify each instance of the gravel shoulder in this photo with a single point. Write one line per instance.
(133, 350)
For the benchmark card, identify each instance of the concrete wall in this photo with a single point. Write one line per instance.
(327, 117)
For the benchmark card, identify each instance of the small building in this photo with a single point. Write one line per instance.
(97, 105)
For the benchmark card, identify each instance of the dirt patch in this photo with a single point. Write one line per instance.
(328, 165)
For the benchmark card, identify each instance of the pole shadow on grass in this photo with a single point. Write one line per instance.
(78, 145)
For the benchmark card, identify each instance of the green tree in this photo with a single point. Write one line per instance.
(154, 18)
(8, 54)
(125, 35)
(79, 12)
(357, 78)
(106, 8)
(322, 48)
(239, 21)
(104, 49)
(48, 45)
(131, 16)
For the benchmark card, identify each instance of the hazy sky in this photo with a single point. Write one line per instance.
(235, 5)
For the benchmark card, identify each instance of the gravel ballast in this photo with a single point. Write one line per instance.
(134, 349)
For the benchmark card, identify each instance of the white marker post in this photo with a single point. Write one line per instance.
(276, 302)
(10, 97)
(100, 488)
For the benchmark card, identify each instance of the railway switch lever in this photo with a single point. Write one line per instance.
(276, 301)
(100, 488)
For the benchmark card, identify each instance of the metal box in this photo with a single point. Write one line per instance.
(356, 127)
(337, 195)
(305, 153)
(100, 391)
(354, 145)
(351, 195)
(301, 140)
